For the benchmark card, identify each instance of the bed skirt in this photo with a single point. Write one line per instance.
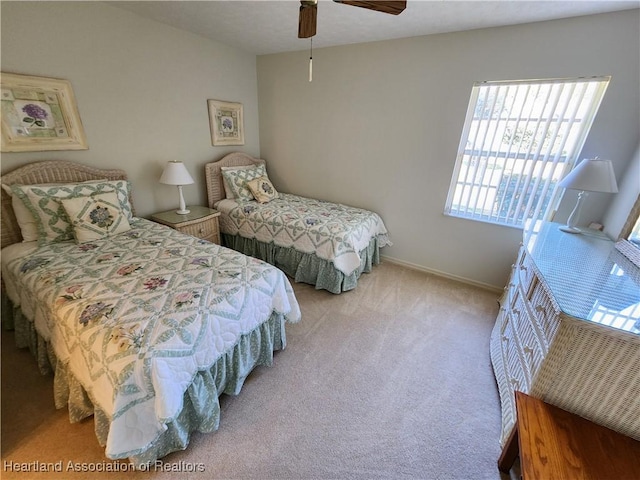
(306, 267)
(201, 408)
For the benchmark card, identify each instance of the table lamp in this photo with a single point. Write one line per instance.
(591, 175)
(175, 173)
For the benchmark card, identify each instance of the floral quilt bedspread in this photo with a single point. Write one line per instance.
(136, 316)
(332, 231)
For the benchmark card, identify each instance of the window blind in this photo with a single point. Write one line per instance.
(519, 139)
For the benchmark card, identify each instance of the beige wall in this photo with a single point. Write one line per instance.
(380, 124)
(141, 87)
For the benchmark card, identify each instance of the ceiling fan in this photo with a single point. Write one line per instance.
(309, 12)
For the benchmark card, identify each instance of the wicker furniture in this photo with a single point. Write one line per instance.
(553, 443)
(201, 222)
(50, 171)
(568, 330)
(233, 296)
(213, 173)
(324, 244)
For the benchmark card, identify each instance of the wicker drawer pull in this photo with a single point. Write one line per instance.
(529, 351)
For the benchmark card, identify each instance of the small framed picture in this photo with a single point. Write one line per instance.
(226, 123)
(39, 114)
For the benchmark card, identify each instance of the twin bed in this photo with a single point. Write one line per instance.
(325, 244)
(144, 327)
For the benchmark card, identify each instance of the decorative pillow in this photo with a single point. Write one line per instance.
(28, 225)
(237, 181)
(96, 217)
(45, 204)
(262, 189)
(227, 190)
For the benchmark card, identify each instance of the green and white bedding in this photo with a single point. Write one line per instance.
(136, 319)
(333, 232)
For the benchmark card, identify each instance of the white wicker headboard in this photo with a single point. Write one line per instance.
(49, 171)
(213, 174)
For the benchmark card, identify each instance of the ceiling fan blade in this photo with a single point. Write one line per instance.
(307, 19)
(392, 7)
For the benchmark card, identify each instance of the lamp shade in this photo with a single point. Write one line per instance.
(175, 173)
(592, 175)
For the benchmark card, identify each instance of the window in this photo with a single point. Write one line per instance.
(519, 140)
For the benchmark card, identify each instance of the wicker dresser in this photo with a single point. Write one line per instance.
(568, 330)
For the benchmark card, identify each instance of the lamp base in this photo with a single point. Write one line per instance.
(569, 229)
(182, 212)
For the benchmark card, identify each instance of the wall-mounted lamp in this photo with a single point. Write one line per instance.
(175, 173)
(591, 175)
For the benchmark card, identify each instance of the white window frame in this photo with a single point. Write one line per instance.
(478, 158)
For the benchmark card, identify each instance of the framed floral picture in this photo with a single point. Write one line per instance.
(39, 114)
(225, 119)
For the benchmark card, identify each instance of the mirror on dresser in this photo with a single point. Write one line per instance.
(629, 242)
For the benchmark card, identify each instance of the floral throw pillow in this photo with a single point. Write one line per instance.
(237, 181)
(262, 189)
(96, 217)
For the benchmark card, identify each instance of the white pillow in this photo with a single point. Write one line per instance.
(28, 224)
(96, 216)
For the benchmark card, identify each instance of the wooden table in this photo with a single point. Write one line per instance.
(556, 444)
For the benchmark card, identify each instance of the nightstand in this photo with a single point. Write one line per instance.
(553, 443)
(200, 222)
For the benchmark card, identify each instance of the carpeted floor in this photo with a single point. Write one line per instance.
(391, 380)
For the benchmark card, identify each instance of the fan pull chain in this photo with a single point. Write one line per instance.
(311, 61)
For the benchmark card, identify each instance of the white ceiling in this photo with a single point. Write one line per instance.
(267, 26)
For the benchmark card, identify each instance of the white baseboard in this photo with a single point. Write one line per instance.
(468, 281)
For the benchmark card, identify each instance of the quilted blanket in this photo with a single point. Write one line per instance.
(332, 231)
(136, 316)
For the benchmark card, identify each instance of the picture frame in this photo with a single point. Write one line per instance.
(39, 114)
(226, 121)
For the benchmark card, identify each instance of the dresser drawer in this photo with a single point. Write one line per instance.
(545, 312)
(509, 291)
(532, 347)
(525, 270)
(512, 358)
(206, 230)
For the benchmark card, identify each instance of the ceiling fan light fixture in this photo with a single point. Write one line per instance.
(308, 17)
